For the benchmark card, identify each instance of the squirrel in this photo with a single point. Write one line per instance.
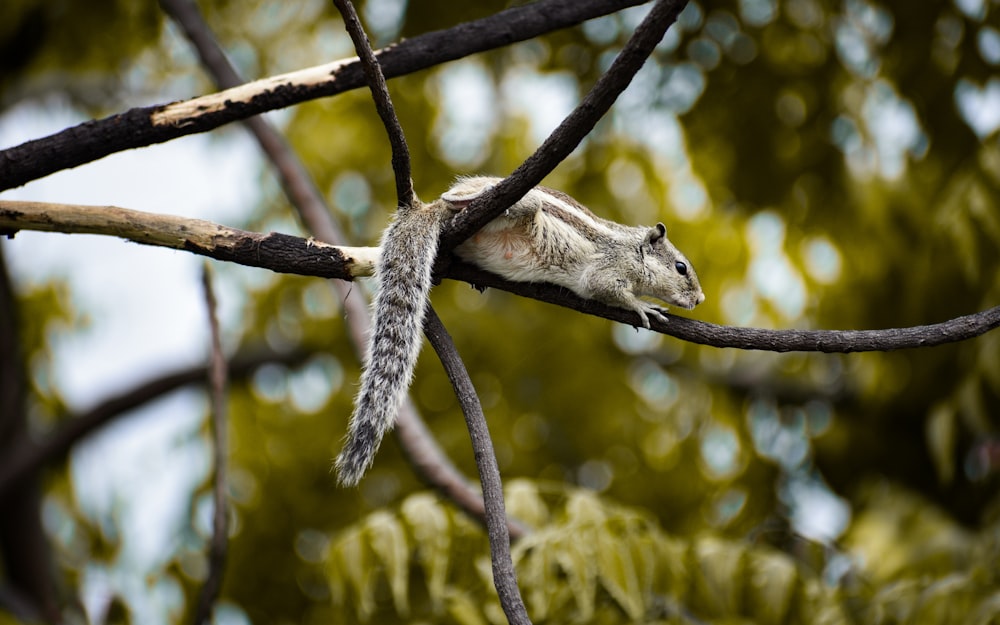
(546, 236)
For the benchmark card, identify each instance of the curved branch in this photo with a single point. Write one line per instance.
(144, 126)
(383, 103)
(27, 455)
(287, 254)
(467, 398)
(762, 339)
(504, 578)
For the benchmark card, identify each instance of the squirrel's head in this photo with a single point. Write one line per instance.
(669, 275)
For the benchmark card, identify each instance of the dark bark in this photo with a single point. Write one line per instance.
(24, 549)
(217, 382)
(568, 135)
(96, 139)
(504, 577)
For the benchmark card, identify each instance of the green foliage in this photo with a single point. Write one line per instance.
(665, 479)
(589, 560)
(45, 314)
(78, 48)
(585, 560)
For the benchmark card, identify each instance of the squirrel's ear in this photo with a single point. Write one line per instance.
(462, 193)
(657, 232)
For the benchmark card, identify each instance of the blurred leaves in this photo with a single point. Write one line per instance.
(596, 561)
(822, 164)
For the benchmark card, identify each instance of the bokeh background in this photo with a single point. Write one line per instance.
(823, 164)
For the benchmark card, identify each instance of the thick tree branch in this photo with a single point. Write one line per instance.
(383, 103)
(278, 252)
(504, 577)
(287, 254)
(571, 131)
(144, 126)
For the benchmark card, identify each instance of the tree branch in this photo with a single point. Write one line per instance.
(287, 254)
(275, 251)
(297, 184)
(504, 577)
(24, 549)
(144, 126)
(26, 455)
(220, 512)
(383, 103)
(571, 131)
(418, 445)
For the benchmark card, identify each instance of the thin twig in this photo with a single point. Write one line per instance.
(504, 577)
(220, 515)
(425, 455)
(571, 131)
(140, 127)
(383, 103)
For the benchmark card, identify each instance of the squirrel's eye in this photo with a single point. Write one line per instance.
(681, 268)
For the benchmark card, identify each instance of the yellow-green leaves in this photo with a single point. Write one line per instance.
(593, 561)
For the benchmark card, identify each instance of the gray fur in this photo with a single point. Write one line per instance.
(408, 248)
(547, 236)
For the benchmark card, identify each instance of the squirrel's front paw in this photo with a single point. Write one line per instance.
(647, 310)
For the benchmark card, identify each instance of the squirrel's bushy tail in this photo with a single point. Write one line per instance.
(408, 249)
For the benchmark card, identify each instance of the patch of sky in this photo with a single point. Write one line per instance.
(771, 272)
(781, 437)
(979, 105)
(684, 84)
(893, 125)
(351, 194)
(894, 130)
(656, 387)
(466, 122)
(822, 259)
(815, 511)
(862, 29)
(542, 99)
(973, 9)
(311, 386)
(988, 43)
(691, 17)
(720, 451)
(602, 30)
(383, 19)
(758, 12)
